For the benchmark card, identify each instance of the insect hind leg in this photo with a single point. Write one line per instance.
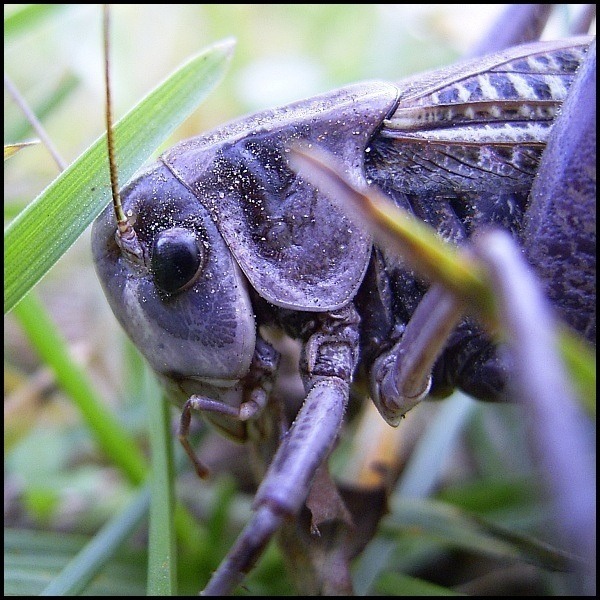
(330, 356)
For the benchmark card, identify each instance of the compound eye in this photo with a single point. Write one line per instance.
(177, 260)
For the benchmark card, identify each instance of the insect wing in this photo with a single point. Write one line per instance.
(482, 124)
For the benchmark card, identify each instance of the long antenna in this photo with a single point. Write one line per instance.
(126, 237)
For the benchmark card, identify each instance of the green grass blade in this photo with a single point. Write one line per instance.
(162, 564)
(457, 528)
(396, 229)
(11, 149)
(26, 17)
(424, 469)
(43, 232)
(114, 440)
(34, 558)
(580, 359)
(75, 577)
(53, 350)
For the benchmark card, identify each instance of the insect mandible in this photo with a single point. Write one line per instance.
(228, 239)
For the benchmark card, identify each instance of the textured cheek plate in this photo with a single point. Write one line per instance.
(295, 247)
(205, 332)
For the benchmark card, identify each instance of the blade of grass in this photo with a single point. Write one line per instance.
(580, 360)
(52, 348)
(10, 87)
(75, 577)
(424, 469)
(43, 232)
(371, 563)
(460, 529)
(24, 18)
(560, 432)
(12, 149)
(33, 558)
(162, 564)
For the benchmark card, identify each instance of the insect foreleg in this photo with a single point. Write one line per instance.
(330, 355)
(257, 386)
